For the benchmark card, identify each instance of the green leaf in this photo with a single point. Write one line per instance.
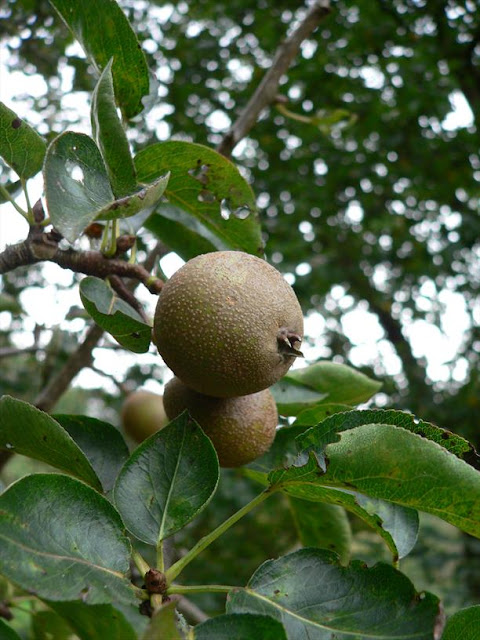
(316, 597)
(389, 463)
(26, 430)
(463, 625)
(76, 183)
(163, 624)
(110, 136)
(322, 525)
(325, 432)
(204, 183)
(114, 315)
(101, 443)
(104, 32)
(183, 233)
(168, 479)
(48, 625)
(397, 525)
(145, 198)
(292, 398)
(240, 626)
(20, 146)
(95, 622)
(340, 383)
(314, 415)
(61, 540)
(7, 633)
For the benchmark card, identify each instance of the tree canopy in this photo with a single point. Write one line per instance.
(355, 170)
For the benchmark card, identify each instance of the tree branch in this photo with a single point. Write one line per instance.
(267, 90)
(80, 358)
(40, 246)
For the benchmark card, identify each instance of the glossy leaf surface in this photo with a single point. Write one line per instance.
(114, 315)
(390, 463)
(324, 432)
(167, 480)
(110, 136)
(104, 32)
(396, 524)
(317, 598)
(77, 186)
(341, 383)
(26, 430)
(101, 443)
(63, 541)
(206, 185)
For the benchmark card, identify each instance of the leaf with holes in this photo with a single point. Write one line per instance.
(395, 524)
(389, 463)
(326, 431)
(61, 540)
(104, 32)
(146, 198)
(317, 598)
(77, 186)
(114, 315)
(20, 146)
(168, 479)
(207, 186)
(26, 430)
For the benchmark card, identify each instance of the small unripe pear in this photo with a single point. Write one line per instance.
(241, 429)
(228, 324)
(143, 414)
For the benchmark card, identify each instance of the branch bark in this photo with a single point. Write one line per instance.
(267, 90)
(40, 247)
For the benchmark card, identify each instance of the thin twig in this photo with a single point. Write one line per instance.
(267, 90)
(120, 386)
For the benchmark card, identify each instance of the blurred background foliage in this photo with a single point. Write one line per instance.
(373, 213)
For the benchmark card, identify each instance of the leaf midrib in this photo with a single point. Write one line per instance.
(292, 614)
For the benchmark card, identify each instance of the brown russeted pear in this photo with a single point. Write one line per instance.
(241, 429)
(228, 324)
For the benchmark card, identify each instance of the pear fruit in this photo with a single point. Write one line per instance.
(228, 324)
(143, 414)
(241, 429)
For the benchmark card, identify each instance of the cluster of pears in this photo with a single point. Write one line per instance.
(229, 326)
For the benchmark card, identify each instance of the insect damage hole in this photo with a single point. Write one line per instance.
(227, 211)
(75, 171)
